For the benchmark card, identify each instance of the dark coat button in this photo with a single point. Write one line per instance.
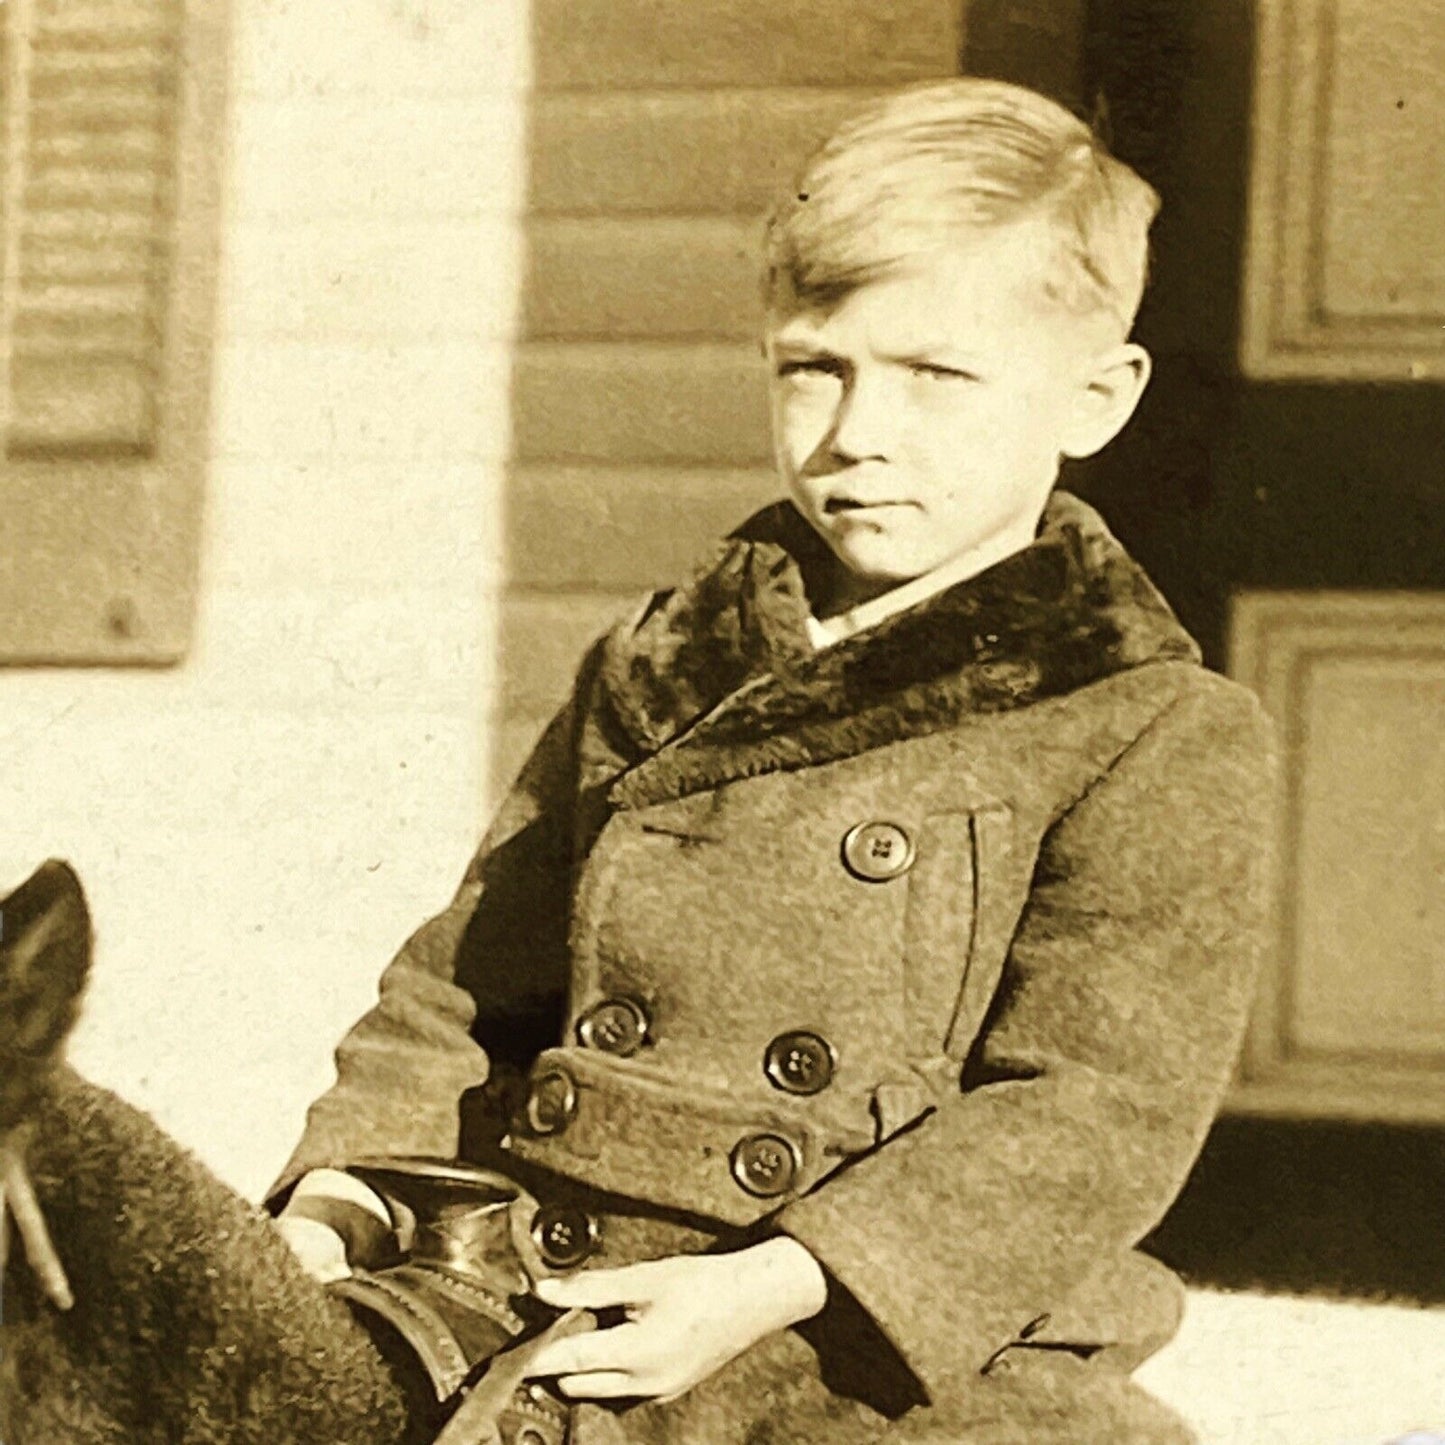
(799, 1063)
(765, 1165)
(551, 1102)
(564, 1236)
(615, 1026)
(876, 852)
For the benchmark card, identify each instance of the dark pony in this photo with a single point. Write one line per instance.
(144, 1302)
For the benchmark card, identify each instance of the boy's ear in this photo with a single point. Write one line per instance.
(1107, 396)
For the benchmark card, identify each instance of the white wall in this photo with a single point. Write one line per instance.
(260, 827)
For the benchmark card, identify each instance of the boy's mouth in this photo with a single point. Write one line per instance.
(834, 506)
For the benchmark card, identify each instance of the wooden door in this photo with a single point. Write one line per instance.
(1283, 481)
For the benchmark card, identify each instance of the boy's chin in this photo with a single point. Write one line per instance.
(874, 569)
(862, 579)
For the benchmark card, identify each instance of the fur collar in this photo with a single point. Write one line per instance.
(718, 677)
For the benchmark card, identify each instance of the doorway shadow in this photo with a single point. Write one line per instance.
(1352, 1211)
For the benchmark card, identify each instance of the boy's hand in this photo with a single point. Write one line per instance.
(332, 1222)
(321, 1250)
(686, 1318)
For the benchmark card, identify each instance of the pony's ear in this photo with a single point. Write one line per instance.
(44, 959)
(52, 890)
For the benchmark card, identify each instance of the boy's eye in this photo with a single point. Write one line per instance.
(811, 366)
(932, 371)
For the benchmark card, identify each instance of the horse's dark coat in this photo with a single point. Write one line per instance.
(192, 1323)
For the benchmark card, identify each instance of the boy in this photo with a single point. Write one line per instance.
(859, 959)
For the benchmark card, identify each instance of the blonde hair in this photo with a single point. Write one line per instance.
(916, 171)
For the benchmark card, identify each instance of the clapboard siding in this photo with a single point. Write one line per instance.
(624, 528)
(334, 278)
(714, 152)
(668, 277)
(268, 819)
(660, 134)
(283, 49)
(382, 158)
(544, 635)
(614, 402)
(619, 44)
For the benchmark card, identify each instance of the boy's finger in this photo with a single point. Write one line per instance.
(599, 1385)
(600, 1351)
(593, 1289)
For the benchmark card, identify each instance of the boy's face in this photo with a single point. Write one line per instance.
(923, 417)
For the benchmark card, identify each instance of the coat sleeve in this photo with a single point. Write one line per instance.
(402, 1069)
(1109, 1046)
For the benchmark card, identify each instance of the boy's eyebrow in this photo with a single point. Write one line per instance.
(800, 346)
(936, 351)
(792, 354)
(942, 353)
(945, 354)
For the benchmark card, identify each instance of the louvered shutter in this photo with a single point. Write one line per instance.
(108, 210)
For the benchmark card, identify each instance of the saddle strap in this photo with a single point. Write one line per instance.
(478, 1420)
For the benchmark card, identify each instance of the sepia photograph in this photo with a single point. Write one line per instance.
(724, 722)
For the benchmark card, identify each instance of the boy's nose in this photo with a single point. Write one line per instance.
(866, 422)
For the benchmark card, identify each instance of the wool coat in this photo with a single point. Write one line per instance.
(932, 949)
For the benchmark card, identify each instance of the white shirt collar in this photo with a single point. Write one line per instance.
(824, 632)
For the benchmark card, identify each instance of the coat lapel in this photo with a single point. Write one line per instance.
(718, 680)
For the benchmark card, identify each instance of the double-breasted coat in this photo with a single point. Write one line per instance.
(932, 949)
